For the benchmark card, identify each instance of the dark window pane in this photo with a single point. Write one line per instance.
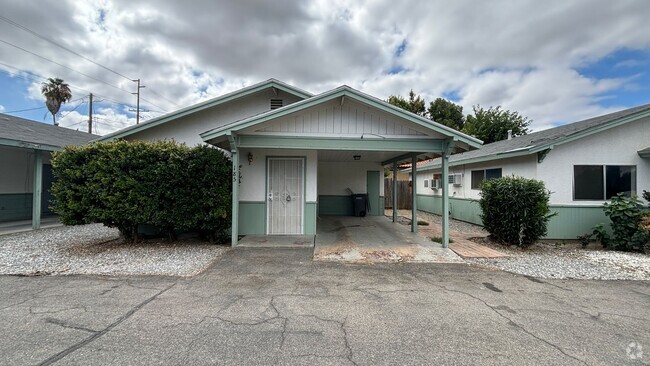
(620, 179)
(477, 178)
(493, 173)
(588, 182)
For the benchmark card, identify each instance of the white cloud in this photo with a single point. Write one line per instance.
(2, 108)
(522, 55)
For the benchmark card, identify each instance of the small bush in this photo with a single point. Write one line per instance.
(423, 223)
(126, 184)
(438, 239)
(628, 217)
(515, 210)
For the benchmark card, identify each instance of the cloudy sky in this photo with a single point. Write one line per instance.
(553, 61)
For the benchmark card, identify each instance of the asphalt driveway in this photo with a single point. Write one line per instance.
(277, 306)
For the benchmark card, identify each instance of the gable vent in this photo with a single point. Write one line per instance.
(276, 103)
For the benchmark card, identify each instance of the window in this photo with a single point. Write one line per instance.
(276, 103)
(598, 182)
(478, 176)
(426, 183)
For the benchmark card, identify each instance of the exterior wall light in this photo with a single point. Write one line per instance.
(357, 157)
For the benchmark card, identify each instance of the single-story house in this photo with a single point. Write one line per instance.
(583, 164)
(296, 156)
(25, 151)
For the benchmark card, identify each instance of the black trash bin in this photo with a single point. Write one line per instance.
(360, 204)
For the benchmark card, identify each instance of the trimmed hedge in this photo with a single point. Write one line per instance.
(126, 184)
(515, 210)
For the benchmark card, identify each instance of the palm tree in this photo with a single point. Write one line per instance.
(56, 92)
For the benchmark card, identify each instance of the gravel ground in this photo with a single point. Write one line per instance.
(97, 250)
(548, 260)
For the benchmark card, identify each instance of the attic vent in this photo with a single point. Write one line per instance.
(276, 103)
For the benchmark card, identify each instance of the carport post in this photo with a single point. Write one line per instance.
(445, 198)
(414, 188)
(235, 198)
(394, 191)
(38, 187)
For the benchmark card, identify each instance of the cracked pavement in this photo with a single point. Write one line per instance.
(278, 307)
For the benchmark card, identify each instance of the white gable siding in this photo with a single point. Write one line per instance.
(187, 129)
(352, 118)
(615, 146)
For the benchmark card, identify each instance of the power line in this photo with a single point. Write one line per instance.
(25, 110)
(64, 66)
(60, 45)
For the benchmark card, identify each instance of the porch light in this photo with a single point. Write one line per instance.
(357, 157)
(250, 158)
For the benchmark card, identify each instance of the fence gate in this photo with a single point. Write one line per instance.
(403, 194)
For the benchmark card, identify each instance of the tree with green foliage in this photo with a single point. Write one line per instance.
(415, 103)
(515, 210)
(447, 113)
(56, 92)
(493, 124)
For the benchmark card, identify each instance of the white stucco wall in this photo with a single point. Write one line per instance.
(187, 129)
(16, 169)
(253, 185)
(525, 166)
(335, 177)
(615, 146)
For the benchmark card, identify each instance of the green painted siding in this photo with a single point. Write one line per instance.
(372, 187)
(572, 221)
(335, 205)
(18, 206)
(569, 222)
(310, 218)
(252, 218)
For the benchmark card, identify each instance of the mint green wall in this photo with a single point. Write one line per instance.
(252, 218)
(310, 218)
(329, 205)
(572, 221)
(569, 222)
(18, 206)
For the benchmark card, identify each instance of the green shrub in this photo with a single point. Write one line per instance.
(515, 210)
(628, 216)
(126, 184)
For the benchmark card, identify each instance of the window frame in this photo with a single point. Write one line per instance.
(603, 167)
(485, 170)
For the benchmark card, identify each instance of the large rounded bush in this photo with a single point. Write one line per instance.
(127, 184)
(515, 210)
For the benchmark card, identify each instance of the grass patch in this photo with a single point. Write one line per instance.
(438, 239)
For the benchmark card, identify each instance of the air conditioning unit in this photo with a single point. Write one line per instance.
(426, 183)
(456, 179)
(435, 183)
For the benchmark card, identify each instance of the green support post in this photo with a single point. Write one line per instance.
(445, 198)
(394, 191)
(235, 198)
(38, 188)
(414, 189)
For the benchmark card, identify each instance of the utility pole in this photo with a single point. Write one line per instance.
(137, 113)
(90, 114)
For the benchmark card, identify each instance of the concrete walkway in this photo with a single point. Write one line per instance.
(373, 239)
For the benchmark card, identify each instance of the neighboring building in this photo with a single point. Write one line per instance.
(583, 164)
(297, 156)
(26, 174)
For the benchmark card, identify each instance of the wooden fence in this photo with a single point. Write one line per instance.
(403, 194)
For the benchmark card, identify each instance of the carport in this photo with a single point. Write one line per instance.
(290, 163)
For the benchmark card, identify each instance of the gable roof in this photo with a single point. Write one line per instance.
(343, 91)
(270, 83)
(20, 132)
(542, 140)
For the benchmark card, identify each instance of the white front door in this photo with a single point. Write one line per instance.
(285, 196)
